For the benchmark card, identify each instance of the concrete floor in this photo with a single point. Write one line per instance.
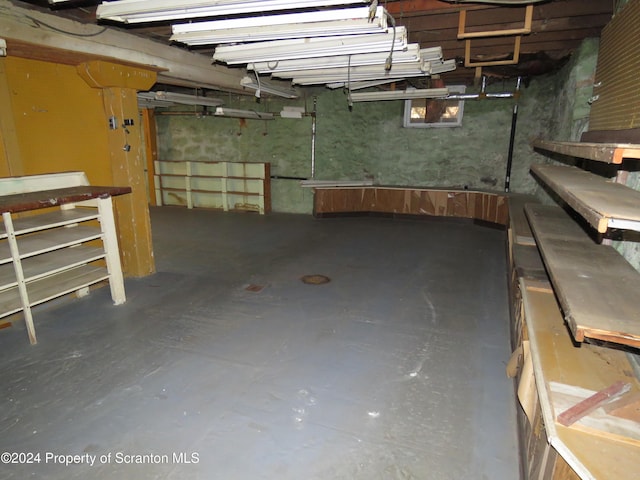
(393, 370)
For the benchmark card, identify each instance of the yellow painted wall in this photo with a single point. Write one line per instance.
(55, 118)
(59, 120)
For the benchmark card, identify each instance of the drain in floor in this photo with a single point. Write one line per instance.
(315, 279)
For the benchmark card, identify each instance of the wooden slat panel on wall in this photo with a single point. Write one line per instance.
(489, 207)
(618, 70)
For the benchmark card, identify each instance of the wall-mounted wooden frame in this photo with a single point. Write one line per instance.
(512, 61)
(517, 32)
(528, 20)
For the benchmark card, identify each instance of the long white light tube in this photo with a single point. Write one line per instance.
(335, 78)
(267, 87)
(138, 11)
(361, 85)
(399, 94)
(443, 66)
(399, 69)
(412, 54)
(326, 23)
(311, 47)
(235, 113)
(186, 99)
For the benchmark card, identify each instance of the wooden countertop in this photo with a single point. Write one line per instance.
(22, 202)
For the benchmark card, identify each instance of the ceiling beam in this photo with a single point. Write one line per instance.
(34, 33)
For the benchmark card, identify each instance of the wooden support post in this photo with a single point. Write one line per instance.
(119, 84)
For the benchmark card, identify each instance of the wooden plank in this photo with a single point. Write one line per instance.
(556, 359)
(595, 285)
(512, 61)
(517, 219)
(63, 283)
(50, 263)
(486, 206)
(588, 405)
(600, 152)
(53, 219)
(599, 421)
(627, 407)
(525, 29)
(51, 240)
(10, 302)
(527, 262)
(602, 203)
(22, 202)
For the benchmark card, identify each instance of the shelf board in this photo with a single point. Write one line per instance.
(52, 286)
(600, 152)
(22, 202)
(10, 301)
(60, 284)
(50, 240)
(54, 219)
(602, 203)
(59, 260)
(595, 285)
(591, 452)
(517, 219)
(49, 263)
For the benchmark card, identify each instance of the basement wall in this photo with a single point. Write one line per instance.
(369, 142)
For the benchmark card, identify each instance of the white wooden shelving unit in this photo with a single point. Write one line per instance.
(47, 255)
(227, 186)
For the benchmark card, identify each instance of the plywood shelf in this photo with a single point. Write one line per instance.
(518, 221)
(601, 152)
(602, 203)
(49, 264)
(596, 286)
(50, 240)
(593, 453)
(57, 218)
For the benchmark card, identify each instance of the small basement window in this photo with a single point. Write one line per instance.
(433, 112)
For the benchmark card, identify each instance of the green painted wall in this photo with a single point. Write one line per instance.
(370, 142)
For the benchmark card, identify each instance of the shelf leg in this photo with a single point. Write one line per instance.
(22, 286)
(110, 240)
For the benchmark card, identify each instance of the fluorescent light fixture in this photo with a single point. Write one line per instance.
(354, 72)
(185, 99)
(311, 47)
(292, 112)
(443, 66)
(148, 100)
(399, 94)
(139, 11)
(264, 86)
(360, 74)
(412, 54)
(235, 113)
(361, 85)
(325, 23)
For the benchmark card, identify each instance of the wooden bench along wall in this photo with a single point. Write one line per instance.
(483, 206)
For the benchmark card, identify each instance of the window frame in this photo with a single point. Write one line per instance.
(408, 105)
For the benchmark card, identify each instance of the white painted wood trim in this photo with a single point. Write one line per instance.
(112, 252)
(22, 286)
